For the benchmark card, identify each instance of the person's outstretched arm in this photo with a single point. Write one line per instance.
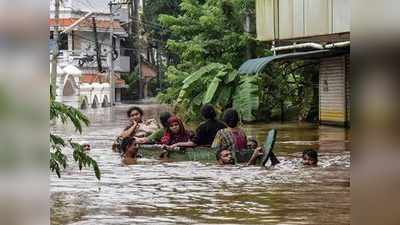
(257, 152)
(184, 144)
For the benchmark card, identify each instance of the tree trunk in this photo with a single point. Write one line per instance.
(246, 27)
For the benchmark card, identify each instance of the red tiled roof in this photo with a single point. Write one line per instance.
(99, 78)
(87, 23)
(119, 82)
(92, 78)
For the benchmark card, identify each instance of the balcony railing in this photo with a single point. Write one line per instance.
(87, 59)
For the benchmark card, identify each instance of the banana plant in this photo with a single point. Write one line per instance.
(220, 85)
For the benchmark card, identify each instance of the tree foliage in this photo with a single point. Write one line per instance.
(209, 38)
(205, 33)
(290, 91)
(215, 83)
(58, 160)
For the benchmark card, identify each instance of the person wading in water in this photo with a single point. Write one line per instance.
(207, 130)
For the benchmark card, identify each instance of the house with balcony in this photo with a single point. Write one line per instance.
(317, 30)
(85, 48)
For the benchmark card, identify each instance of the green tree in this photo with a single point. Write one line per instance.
(289, 91)
(211, 39)
(205, 33)
(58, 160)
(132, 80)
(215, 83)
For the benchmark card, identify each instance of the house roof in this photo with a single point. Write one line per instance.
(101, 78)
(101, 25)
(93, 78)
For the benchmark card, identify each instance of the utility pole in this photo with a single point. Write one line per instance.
(159, 64)
(98, 53)
(136, 31)
(55, 52)
(246, 27)
(110, 58)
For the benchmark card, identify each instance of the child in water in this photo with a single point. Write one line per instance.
(129, 151)
(175, 134)
(310, 157)
(86, 146)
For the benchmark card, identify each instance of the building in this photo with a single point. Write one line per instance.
(310, 29)
(79, 49)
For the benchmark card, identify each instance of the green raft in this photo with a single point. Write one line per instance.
(207, 154)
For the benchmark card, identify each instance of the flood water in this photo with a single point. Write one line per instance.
(153, 192)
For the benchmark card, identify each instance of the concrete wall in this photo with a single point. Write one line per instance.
(94, 95)
(334, 91)
(67, 90)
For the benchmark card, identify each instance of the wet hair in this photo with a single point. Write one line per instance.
(252, 139)
(128, 113)
(164, 116)
(218, 154)
(231, 117)
(125, 143)
(208, 111)
(311, 153)
(174, 119)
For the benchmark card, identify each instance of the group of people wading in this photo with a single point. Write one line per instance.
(225, 136)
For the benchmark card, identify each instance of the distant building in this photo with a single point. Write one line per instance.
(149, 72)
(78, 51)
(310, 29)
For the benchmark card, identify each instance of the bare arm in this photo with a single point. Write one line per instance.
(143, 140)
(130, 131)
(257, 152)
(184, 144)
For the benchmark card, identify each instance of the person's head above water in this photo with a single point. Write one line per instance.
(310, 157)
(175, 125)
(208, 112)
(164, 116)
(129, 148)
(231, 117)
(252, 143)
(224, 157)
(135, 114)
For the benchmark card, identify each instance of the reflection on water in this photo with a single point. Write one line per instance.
(152, 192)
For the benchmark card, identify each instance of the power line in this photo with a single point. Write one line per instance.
(90, 4)
(88, 39)
(87, 4)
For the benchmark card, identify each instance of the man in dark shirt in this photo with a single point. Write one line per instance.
(205, 133)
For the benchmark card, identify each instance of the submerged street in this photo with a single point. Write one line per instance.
(154, 192)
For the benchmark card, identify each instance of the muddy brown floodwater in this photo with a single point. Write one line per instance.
(152, 192)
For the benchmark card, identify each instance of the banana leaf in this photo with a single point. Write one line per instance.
(231, 76)
(212, 88)
(224, 96)
(197, 99)
(199, 73)
(221, 74)
(246, 97)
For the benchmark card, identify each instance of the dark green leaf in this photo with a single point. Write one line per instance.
(212, 88)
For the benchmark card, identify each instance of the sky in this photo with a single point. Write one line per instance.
(88, 5)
